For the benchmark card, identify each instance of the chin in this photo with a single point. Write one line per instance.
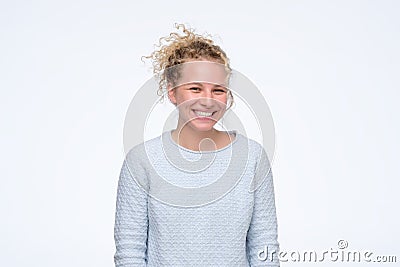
(202, 128)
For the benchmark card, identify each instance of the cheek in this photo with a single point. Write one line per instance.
(222, 101)
(184, 101)
(181, 96)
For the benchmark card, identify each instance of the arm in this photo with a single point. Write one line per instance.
(131, 221)
(263, 231)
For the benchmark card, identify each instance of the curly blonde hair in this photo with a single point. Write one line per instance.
(176, 49)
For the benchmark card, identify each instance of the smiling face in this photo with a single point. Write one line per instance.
(200, 94)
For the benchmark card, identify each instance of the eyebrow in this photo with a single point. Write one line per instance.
(200, 84)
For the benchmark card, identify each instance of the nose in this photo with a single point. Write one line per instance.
(206, 98)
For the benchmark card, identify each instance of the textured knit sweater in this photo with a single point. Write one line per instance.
(171, 222)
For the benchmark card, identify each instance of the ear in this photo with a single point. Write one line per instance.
(171, 93)
(230, 100)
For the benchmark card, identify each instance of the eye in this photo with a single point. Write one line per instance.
(194, 89)
(220, 91)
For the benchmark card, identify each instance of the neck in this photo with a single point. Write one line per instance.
(196, 140)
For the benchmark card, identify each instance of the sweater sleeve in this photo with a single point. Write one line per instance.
(261, 244)
(131, 221)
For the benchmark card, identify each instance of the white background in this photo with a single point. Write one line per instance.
(329, 71)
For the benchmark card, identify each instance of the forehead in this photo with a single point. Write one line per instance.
(203, 71)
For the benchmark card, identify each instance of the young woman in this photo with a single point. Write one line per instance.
(195, 195)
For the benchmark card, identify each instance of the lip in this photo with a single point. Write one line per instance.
(203, 118)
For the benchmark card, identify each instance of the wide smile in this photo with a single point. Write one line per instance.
(204, 115)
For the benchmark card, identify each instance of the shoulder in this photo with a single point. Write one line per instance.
(139, 160)
(145, 150)
(258, 160)
(254, 149)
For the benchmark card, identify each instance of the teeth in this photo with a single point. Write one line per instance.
(203, 114)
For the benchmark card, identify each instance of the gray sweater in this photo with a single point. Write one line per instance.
(178, 207)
